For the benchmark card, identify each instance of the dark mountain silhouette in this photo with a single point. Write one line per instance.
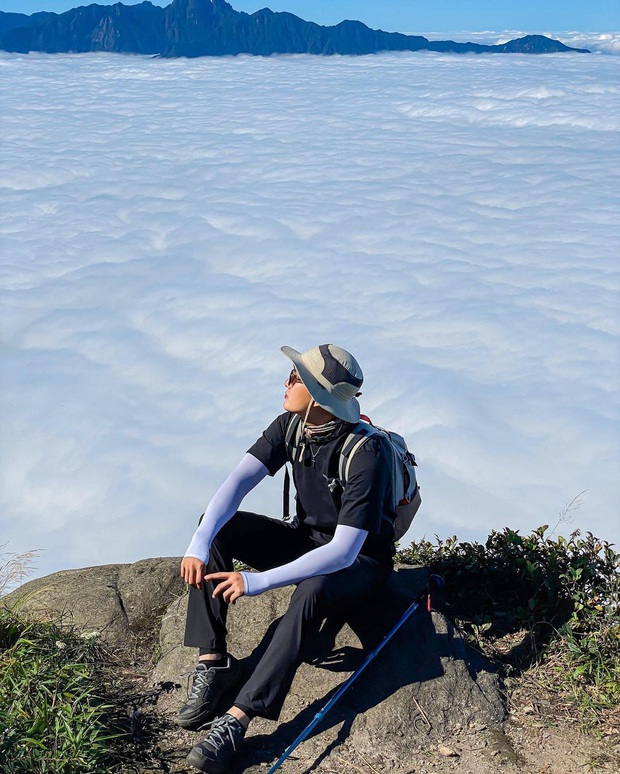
(9, 21)
(213, 28)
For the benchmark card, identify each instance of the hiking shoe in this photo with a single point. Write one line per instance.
(208, 686)
(216, 751)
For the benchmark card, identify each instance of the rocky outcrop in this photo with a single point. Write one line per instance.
(213, 28)
(118, 601)
(423, 688)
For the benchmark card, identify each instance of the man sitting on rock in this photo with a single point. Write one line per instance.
(337, 550)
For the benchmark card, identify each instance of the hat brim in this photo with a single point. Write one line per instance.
(349, 410)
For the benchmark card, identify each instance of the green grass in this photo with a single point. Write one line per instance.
(52, 715)
(54, 718)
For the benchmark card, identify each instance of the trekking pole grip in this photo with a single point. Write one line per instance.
(435, 582)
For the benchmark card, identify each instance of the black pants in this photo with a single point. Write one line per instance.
(263, 543)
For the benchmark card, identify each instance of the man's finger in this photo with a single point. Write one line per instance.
(217, 576)
(221, 588)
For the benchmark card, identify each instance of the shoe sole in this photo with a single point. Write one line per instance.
(201, 763)
(204, 715)
(195, 722)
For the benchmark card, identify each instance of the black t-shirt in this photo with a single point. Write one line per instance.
(365, 503)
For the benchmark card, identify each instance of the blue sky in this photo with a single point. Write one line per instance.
(414, 15)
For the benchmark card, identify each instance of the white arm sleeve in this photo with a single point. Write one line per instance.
(339, 553)
(224, 503)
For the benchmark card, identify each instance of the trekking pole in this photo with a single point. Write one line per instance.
(434, 582)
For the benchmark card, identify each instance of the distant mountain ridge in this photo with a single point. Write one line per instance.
(195, 28)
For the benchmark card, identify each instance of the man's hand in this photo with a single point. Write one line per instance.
(193, 571)
(230, 586)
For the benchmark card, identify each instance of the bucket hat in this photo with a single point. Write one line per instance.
(332, 376)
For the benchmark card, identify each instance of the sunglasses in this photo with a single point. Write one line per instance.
(293, 378)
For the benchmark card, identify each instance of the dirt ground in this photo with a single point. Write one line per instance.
(541, 735)
(529, 742)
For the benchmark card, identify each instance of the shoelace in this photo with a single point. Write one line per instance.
(219, 729)
(200, 677)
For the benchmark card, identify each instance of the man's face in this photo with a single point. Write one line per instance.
(297, 397)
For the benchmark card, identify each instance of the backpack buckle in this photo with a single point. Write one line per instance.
(332, 483)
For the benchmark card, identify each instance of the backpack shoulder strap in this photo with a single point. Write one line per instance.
(356, 438)
(291, 437)
(291, 441)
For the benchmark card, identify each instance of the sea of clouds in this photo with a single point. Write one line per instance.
(168, 224)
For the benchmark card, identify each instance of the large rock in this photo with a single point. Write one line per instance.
(119, 601)
(423, 686)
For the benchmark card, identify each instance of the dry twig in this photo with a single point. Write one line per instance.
(367, 762)
(422, 713)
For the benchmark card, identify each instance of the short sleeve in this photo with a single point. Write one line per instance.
(270, 448)
(366, 489)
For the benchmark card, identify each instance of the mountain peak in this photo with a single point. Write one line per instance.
(214, 28)
(201, 6)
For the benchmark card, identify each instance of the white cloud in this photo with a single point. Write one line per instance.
(169, 224)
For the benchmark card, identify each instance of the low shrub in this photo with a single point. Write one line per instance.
(553, 600)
